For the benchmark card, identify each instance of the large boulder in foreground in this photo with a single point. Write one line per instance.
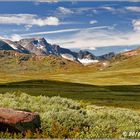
(18, 121)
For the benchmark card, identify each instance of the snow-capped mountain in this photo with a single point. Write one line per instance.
(16, 46)
(39, 46)
(86, 58)
(69, 57)
(86, 55)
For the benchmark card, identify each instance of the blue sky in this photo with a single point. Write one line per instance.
(72, 24)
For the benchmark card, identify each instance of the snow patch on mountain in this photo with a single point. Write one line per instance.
(68, 57)
(37, 44)
(88, 61)
(13, 46)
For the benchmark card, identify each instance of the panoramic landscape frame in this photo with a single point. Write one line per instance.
(71, 65)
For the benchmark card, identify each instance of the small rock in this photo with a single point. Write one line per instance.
(18, 120)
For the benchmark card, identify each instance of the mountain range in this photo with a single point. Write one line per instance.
(40, 47)
(35, 58)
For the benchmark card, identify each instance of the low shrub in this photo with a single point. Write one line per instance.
(65, 118)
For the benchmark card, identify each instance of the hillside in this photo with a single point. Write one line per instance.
(119, 70)
(12, 62)
(123, 69)
(104, 83)
(40, 47)
(107, 82)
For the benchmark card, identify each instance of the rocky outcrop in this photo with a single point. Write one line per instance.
(106, 56)
(16, 47)
(18, 120)
(86, 55)
(40, 46)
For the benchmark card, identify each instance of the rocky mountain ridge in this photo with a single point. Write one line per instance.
(40, 47)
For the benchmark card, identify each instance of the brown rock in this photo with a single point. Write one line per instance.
(18, 120)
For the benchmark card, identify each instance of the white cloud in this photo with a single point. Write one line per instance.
(84, 9)
(79, 38)
(91, 38)
(63, 31)
(69, 0)
(108, 8)
(133, 8)
(93, 22)
(136, 24)
(102, 37)
(48, 1)
(1, 37)
(27, 27)
(64, 10)
(50, 32)
(95, 11)
(15, 37)
(28, 19)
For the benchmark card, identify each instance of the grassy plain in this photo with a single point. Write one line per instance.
(108, 87)
(125, 94)
(116, 85)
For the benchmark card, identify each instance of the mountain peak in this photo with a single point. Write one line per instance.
(84, 54)
(39, 46)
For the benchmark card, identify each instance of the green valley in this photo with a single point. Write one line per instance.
(116, 84)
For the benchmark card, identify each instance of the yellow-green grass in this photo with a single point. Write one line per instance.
(115, 85)
(118, 72)
(127, 96)
(116, 77)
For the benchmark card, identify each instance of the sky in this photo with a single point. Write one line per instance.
(73, 24)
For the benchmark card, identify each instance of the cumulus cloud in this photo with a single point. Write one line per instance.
(28, 19)
(91, 38)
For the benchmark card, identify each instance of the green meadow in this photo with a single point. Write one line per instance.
(85, 102)
(106, 88)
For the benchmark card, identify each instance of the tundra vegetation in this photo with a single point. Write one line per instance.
(66, 118)
(73, 101)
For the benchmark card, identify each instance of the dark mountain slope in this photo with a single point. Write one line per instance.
(5, 46)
